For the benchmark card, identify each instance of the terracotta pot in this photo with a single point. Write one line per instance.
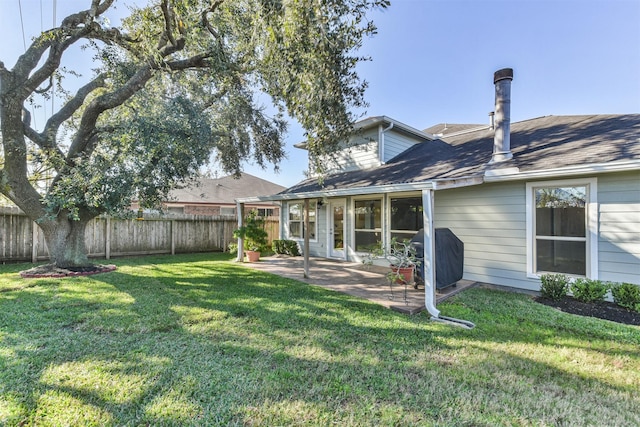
(405, 274)
(252, 256)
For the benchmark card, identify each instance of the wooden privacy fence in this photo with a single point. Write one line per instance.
(22, 240)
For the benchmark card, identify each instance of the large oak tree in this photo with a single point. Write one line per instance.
(177, 82)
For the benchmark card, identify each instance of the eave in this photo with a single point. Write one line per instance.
(385, 121)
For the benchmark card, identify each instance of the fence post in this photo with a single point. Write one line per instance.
(173, 236)
(34, 243)
(107, 237)
(240, 213)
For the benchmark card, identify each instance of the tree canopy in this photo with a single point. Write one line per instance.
(176, 82)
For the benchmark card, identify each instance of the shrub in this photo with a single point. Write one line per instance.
(626, 295)
(554, 286)
(233, 248)
(587, 290)
(286, 247)
(253, 232)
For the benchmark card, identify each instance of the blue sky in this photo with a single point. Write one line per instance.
(433, 60)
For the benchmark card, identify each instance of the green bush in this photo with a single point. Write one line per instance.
(233, 248)
(253, 233)
(286, 247)
(554, 286)
(587, 290)
(626, 295)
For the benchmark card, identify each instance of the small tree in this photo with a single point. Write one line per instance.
(253, 232)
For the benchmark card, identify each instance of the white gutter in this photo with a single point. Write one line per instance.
(381, 132)
(511, 174)
(354, 191)
(492, 175)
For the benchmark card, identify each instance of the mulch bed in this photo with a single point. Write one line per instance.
(601, 310)
(50, 270)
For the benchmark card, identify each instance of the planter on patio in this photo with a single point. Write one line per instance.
(254, 235)
(252, 256)
(402, 275)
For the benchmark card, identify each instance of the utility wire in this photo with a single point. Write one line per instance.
(24, 44)
(53, 87)
(24, 39)
(44, 100)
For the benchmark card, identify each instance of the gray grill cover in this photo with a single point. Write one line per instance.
(449, 256)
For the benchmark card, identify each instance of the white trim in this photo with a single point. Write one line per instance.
(381, 199)
(353, 191)
(388, 225)
(287, 221)
(329, 227)
(591, 205)
(589, 169)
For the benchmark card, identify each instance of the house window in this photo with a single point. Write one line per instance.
(368, 224)
(176, 210)
(265, 212)
(560, 240)
(296, 220)
(406, 217)
(227, 211)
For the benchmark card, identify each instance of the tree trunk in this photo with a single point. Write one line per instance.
(65, 242)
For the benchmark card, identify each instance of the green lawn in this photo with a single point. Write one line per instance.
(199, 340)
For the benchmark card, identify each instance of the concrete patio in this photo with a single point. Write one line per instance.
(368, 282)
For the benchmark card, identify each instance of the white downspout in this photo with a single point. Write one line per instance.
(430, 264)
(429, 255)
(240, 213)
(381, 138)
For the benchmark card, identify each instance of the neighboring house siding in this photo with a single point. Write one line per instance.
(491, 222)
(619, 240)
(395, 144)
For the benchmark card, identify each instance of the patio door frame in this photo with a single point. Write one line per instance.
(332, 251)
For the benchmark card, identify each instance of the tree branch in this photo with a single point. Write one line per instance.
(103, 103)
(72, 105)
(73, 28)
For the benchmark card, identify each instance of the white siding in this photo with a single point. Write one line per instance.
(491, 222)
(619, 239)
(396, 143)
(362, 153)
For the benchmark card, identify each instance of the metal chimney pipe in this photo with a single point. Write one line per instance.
(502, 137)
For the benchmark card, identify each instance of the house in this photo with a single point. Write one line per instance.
(551, 194)
(217, 196)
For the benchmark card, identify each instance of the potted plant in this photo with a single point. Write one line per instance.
(254, 236)
(403, 260)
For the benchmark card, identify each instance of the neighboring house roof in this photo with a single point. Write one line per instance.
(544, 143)
(224, 190)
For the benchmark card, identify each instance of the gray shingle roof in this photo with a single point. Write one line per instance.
(443, 129)
(538, 144)
(224, 190)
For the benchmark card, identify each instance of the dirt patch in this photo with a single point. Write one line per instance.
(601, 310)
(50, 270)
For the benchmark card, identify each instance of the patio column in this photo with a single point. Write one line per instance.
(240, 214)
(306, 238)
(429, 253)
